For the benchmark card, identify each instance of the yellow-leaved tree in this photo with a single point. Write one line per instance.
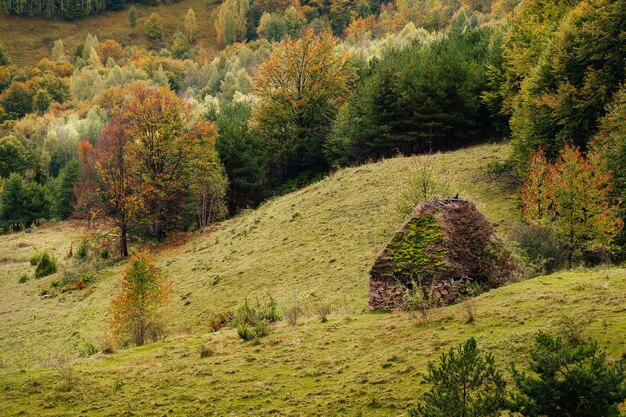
(300, 87)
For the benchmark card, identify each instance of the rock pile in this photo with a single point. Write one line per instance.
(443, 245)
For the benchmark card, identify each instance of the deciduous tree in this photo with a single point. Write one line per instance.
(230, 24)
(158, 125)
(300, 88)
(137, 311)
(118, 182)
(153, 27)
(190, 25)
(573, 197)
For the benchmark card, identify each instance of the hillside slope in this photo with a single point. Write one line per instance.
(315, 245)
(29, 39)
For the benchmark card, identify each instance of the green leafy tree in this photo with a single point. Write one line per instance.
(610, 143)
(13, 156)
(58, 52)
(574, 381)
(272, 26)
(41, 101)
(243, 156)
(464, 384)
(4, 57)
(22, 203)
(180, 46)
(300, 86)
(153, 27)
(64, 190)
(566, 94)
(132, 18)
(230, 24)
(17, 100)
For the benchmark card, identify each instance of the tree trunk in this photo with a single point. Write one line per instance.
(123, 241)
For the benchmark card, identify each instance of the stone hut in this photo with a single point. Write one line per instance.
(442, 246)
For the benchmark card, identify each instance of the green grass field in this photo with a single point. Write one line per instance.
(29, 39)
(314, 246)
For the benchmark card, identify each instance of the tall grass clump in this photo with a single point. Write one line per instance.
(47, 265)
(252, 320)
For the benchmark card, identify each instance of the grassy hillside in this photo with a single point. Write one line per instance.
(368, 363)
(315, 245)
(29, 39)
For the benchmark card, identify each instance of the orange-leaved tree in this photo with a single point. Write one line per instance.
(158, 129)
(572, 196)
(118, 185)
(86, 203)
(137, 312)
(300, 87)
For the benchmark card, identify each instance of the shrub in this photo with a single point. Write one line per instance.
(545, 252)
(104, 253)
(65, 370)
(136, 311)
(470, 308)
(205, 350)
(573, 328)
(88, 349)
(253, 331)
(24, 279)
(465, 383)
(569, 380)
(418, 299)
(252, 320)
(421, 184)
(82, 253)
(323, 311)
(220, 320)
(107, 343)
(47, 265)
(87, 277)
(293, 313)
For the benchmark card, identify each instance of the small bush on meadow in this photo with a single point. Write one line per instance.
(420, 300)
(254, 331)
(107, 343)
(220, 320)
(65, 370)
(542, 248)
(205, 350)
(105, 253)
(293, 314)
(24, 279)
(47, 265)
(252, 320)
(323, 311)
(470, 307)
(82, 253)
